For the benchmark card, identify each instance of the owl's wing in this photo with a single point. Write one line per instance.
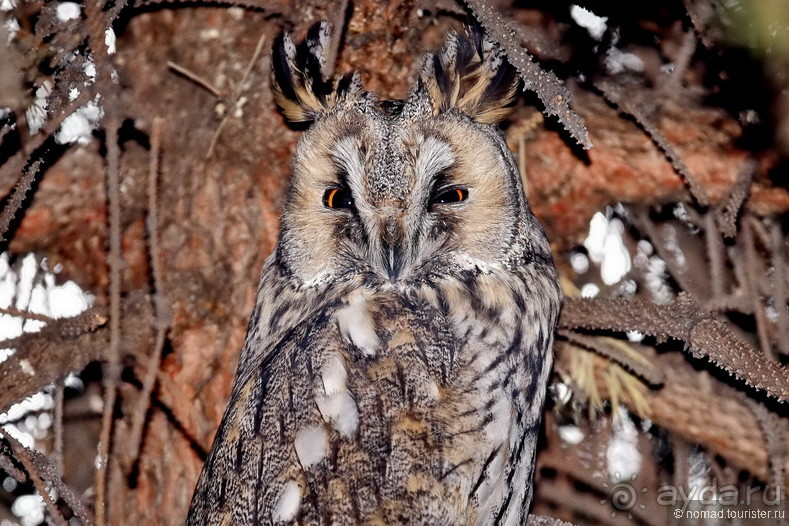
(338, 422)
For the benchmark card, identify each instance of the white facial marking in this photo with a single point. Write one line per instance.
(311, 444)
(434, 156)
(288, 503)
(346, 155)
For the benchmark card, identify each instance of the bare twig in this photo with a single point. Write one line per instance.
(112, 369)
(16, 164)
(683, 320)
(629, 105)
(729, 208)
(334, 44)
(780, 287)
(548, 88)
(237, 95)
(58, 329)
(18, 313)
(7, 464)
(715, 256)
(774, 429)
(673, 83)
(162, 308)
(57, 449)
(745, 243)
(21, 189)
(24, 454)
(542, 520)
(98, 21)
(47, 471)
(197, 79)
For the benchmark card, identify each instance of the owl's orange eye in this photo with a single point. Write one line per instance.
(450, 195)
(337, 198)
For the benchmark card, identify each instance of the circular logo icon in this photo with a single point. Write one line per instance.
(623, 495)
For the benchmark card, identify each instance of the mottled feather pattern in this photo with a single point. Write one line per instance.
(300, 80)
(396, 361)
(472, 75)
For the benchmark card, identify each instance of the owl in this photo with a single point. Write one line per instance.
(396, 360)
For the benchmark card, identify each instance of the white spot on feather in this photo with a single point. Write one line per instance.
(311, 445)
(288, 503)
(357, 326)
(432, 390)
(334, 375)
(340, 410)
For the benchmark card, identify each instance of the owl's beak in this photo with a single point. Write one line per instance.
(393, 250)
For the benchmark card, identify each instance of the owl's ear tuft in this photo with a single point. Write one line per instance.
(302, 87)
(472, 75)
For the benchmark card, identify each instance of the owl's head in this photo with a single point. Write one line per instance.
(401, 189)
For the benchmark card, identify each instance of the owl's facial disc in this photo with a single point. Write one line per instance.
(394, 183)
(396, 197)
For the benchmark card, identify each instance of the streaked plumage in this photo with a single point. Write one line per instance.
(396, 361)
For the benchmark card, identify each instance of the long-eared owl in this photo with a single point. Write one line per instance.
(396, 361)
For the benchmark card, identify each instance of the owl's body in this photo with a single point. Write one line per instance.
(396, 361)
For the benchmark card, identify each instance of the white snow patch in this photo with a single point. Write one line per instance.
(11, 26)
(571, 434)
(634, 336)
(617, 61)
(622, 455)
(589, 290)
(289, 502)
(596, 25)
(311, 444)
(66, 11)
(78, 127)
(562, 392)
(109, 40)
(29, 508)
(90, 70)
(606, 247)
(7, 5)
(209, 34)
(37, 112)
(34, 403)
(27, 367)
(579, 262)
